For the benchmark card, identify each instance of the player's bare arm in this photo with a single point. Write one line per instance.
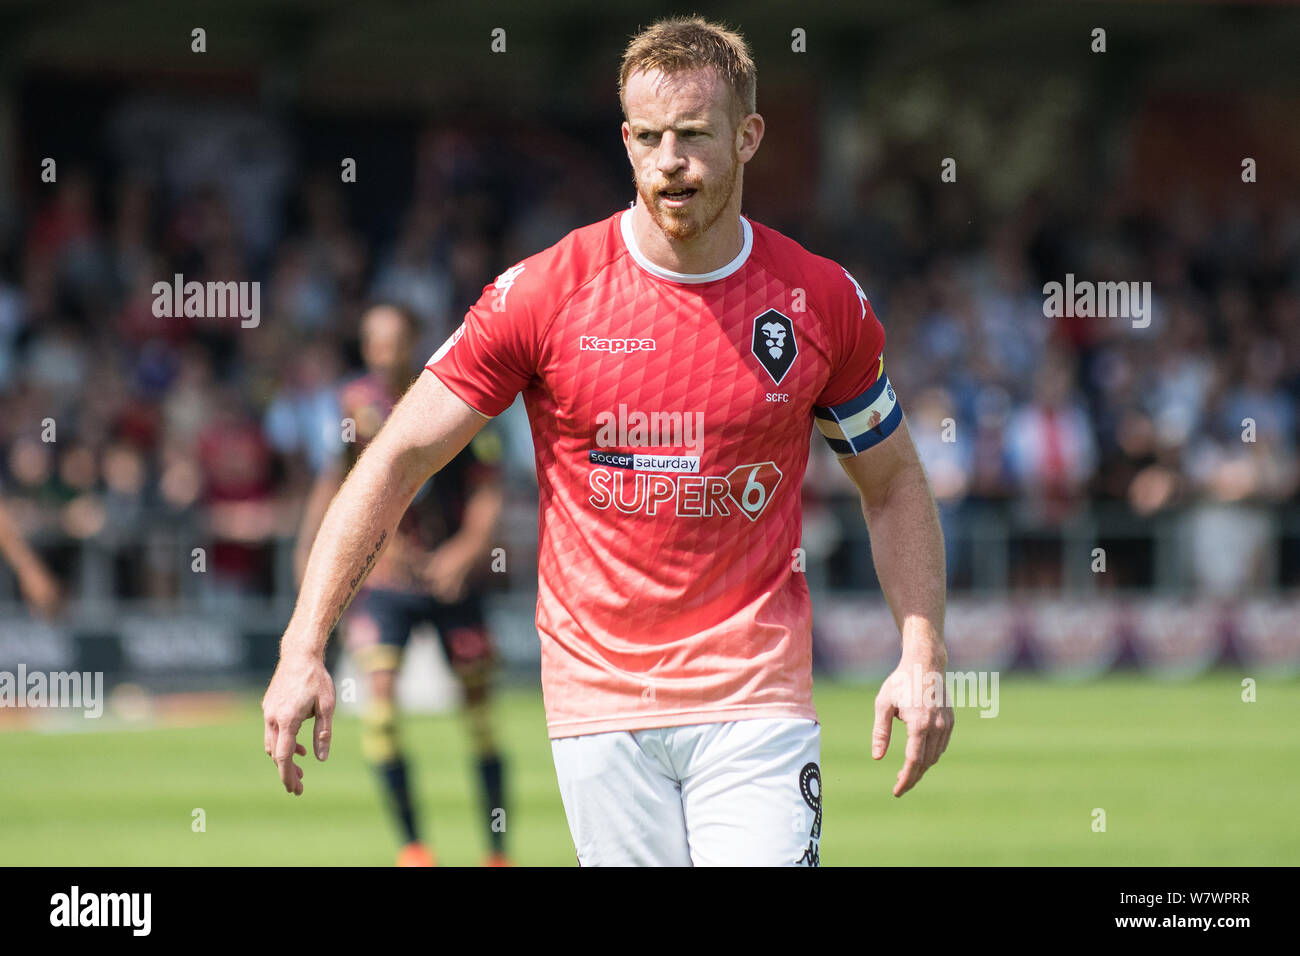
(37, 585)
(907, 548)
(429, 426)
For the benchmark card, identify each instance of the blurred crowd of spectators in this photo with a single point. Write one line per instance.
(1033, 417)
(159, 419)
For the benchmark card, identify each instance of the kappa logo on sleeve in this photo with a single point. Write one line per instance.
(861, 295)
(502, 286)
(446, 346)
(774, 345)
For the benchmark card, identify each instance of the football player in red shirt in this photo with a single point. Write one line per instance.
(673, 360)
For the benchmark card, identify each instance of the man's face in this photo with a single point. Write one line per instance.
(681, 139)
(385, 341)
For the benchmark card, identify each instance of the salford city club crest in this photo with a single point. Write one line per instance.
(774, 345)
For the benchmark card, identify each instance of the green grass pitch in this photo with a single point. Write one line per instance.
(1187, 773)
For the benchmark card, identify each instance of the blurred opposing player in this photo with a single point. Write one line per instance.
(426, 575)
(673, 360)
(35, 582)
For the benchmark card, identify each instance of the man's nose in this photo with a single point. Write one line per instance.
(669, 159)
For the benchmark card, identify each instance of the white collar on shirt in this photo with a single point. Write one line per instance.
(689, 277)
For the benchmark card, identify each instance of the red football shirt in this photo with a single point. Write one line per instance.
(671, 417)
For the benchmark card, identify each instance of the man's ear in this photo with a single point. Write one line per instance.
(749, 133)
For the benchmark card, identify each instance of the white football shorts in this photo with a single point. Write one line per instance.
(739, 793)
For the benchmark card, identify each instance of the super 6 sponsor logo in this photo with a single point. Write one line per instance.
(746, 488)
(592, 343)
(752, 487)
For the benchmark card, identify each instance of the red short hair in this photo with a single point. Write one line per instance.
(692, 43)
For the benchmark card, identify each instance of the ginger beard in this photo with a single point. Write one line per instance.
(696, 217)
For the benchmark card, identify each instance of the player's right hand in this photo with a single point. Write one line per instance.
(301, 688)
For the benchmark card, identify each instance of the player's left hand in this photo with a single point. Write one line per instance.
(915, 693)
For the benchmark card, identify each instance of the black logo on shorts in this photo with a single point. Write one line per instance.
(774, 344)
(810, 787)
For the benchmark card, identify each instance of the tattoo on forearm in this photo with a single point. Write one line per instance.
(359, 577)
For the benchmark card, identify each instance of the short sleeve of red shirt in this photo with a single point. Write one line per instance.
(857, 408)
(493, 355)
